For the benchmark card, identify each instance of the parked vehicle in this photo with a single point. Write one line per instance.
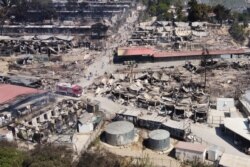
(69, 89)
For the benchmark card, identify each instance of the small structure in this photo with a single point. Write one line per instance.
(5, 117)
(229, 160)
(225, 104)
(185, 151)
(93, 106)
(120, 133)
(159, 140)
(177, 129)
(214, 152)
(68, 89)
(85, 123)
(128, 115)
(6, 135)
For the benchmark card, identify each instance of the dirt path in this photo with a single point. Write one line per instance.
(155, 158)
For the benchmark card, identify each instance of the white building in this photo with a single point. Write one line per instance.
(185, 151)
(214, 152)
(229, 160)
(5, 118)
(225, 104)
(85, 123)
(6, 135)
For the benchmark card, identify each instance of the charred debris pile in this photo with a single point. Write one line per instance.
(45, 74)
(180, 92)
(59, 118)
(167, 92)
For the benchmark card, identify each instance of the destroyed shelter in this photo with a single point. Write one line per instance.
(17, 101)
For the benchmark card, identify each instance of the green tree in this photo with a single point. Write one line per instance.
(103, 158)
(159, 9)
(194, 12)
(237, 32)
(41, 156)
(162, 11)
(179, 11)
(49, 156)
(152, 10)
(245, 18)
(198, 12)
(221, 13)
(10, 156)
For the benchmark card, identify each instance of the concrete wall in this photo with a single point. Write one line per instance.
(185, 155)
(42, 118)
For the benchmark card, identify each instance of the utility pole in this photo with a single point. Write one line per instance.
(205, 53)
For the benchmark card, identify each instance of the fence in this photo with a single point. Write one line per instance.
(93, 136)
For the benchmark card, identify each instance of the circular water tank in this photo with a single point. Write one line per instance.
(119, 133)
(159, 140)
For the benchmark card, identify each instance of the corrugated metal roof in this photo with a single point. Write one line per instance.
(238, 126)
(154, 117)
(131, 112)
(195, 147)
(175, 124)
(10, 92)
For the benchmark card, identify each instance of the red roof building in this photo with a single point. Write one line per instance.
(185, 151)
(135, 51)
(147, 54)
(10, 92)
(140, 51)
(195, 147)
(165, 54)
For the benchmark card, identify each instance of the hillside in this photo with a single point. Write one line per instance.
(233, 4)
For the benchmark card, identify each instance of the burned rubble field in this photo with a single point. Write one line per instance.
(36, 44)
(45, 75)
(176, 91)
(63, 113)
